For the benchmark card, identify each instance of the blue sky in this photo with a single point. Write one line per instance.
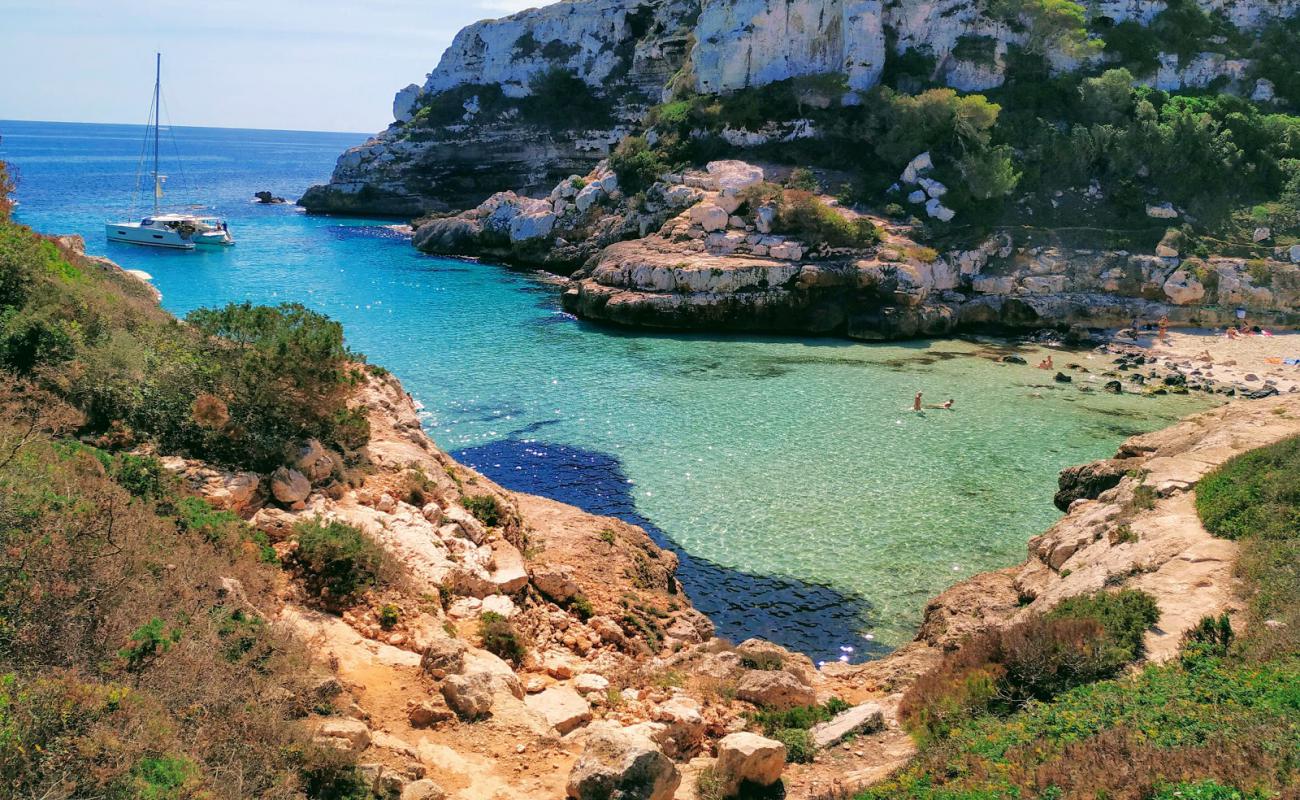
(289, 64)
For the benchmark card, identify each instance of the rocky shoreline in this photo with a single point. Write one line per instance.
(692, 255)
(631, 673)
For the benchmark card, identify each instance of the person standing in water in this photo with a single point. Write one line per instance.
(916, 404)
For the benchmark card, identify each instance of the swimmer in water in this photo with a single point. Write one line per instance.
(916, 404)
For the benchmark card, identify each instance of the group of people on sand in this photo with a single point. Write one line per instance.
(946, 405)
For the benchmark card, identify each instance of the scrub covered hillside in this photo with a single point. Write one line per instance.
(1218, 723)
(132, 663)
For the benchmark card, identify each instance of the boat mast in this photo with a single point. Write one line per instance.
(157, 113)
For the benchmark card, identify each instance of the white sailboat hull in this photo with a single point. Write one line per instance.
(135, 233)
(165, 232)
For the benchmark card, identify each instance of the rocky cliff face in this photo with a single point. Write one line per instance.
(479, 142)
(629, 52)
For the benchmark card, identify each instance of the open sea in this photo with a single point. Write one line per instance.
(807, 503)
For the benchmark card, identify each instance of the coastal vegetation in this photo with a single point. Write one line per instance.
(237, 385)
(1042, 148)
(132, 660)
(1218, 722)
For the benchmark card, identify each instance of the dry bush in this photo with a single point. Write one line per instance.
(127, 668)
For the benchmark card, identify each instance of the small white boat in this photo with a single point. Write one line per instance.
(177, 231)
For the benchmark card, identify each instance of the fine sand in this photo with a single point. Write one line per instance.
(1233, 361)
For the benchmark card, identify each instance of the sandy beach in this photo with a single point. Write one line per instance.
(1250, 361)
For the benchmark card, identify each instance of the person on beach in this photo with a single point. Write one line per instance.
(1163, 333)
(916, 404)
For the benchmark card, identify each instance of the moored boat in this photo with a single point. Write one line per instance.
(178, 230)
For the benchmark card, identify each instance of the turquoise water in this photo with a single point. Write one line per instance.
(806, 502)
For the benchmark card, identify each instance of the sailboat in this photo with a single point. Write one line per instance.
(177, 231)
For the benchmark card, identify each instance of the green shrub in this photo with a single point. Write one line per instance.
(559, 99)
(284, 374)
(162, 778)
(500, 637)
(142, 476)
(1210, 638)
(485, 508)
(389, 615)
(581, 606)
(239, 631)
(762, 660)
(976, 49)
(148, 642)
(1125, 616)
(636, 164)
(1084, 639)
(802, 214)
(1254, 494)
(799, 717)
(799, 747)
(1205, 790)
(337, 561)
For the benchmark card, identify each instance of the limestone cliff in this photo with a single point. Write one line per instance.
(473, 138)
(466, 133)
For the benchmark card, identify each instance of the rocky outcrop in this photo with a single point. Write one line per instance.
(462, 135)
(705, 268)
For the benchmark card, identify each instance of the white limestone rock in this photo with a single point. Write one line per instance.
(732, 177)
(1162, 211)
(404, 102)
(938, 210)
(709, 216)
(864, 718)
(1183, 289)
(533, 225)
(563, 708)
(622, 763)
(748, 757)
(912, 172)
(932, 187)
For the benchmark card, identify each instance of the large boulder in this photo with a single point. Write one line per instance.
(346, 734)
(709, 216)
(563, 708)
(534, 225)
(314, 461)
(470, 695)
(748, 758)
(774, 689)
(404, 102)
(1087, 481)
(916, 167)
(448, 235)
(423, 789)
(619, 764)
(289, 486)
(555, 581)
(733, 177)
(443, 657)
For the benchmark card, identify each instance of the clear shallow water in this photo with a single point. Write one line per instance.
(807, 503)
